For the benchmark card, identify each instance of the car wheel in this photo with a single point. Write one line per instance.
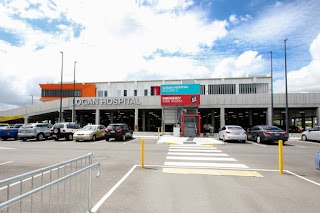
(107, 139)
(94, 137)
(56, 139)
(4, 139)
(258, 139)
(304, 138)
(224, 140)
(40, 137)
(123, 137)
(70, 137)
(56, 130)
(24, 139)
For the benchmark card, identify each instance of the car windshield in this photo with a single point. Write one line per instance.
(235, 128)
(271, 128)
(111, 127)
(89, 127)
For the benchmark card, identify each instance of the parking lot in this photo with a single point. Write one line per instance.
(190, 176)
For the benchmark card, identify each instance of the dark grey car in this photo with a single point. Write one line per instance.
(118, 131)
(265, 133)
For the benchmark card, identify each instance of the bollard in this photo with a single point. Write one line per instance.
(280, 144)
(142, 152)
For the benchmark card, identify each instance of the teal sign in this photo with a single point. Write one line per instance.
(180, 89)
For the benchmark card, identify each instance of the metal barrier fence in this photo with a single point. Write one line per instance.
(63, 187)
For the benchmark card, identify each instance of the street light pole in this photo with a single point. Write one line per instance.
(74, 93)
(60, 111)
(286, 79)
(271, 87)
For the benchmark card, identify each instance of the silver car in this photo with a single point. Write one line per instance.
(232, 133)
(311, 134)
(40, 131)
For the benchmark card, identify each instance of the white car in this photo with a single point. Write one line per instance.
(311, 134)
(232, 133)
(90, 132)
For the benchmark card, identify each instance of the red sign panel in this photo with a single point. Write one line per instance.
(169, 100)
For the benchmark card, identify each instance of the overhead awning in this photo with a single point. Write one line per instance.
(10, 118)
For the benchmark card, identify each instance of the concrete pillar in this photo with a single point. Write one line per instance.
(97, 120)
(81, 120)
(269, 116)
(143, 120)
(250, 118)
(136, 119)
(26, 119)
(222, 117)
(111, 117)
(212, 118)
(303, 120)
(318, 115)
(148, 122)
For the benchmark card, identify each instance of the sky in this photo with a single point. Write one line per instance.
(154, 40)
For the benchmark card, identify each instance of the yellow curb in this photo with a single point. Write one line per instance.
(171, 143)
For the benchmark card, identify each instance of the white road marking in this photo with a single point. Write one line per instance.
(7, 148)
(198, 154)
(303, 178)
(300, 146)
(108, 194)
(257, 144)
(191, 150)
(199, 158)
(206, 165)
(194, 148)
(6, 163)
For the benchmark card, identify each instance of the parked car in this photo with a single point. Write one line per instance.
(10, 132)
(292, 129)
(90, 132)
(64, 130)
(40, 131)
(232, 133)
(4, 125)
(311, 134)
(118, 131)
(265, 133)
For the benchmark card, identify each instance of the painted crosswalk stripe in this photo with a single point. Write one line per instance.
(200, 158)
(206, 165)
(199, 154)
(193, 150)
(189, 147)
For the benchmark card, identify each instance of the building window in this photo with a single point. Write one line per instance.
(56, 93)
(222, 89)
(135, 92)
(100, 93)
(145, 92)
(124, 92)
(202, 89)
(253, 88)
(105, 93)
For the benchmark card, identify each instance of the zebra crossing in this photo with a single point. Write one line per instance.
(199, 156)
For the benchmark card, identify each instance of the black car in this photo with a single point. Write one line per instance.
(265, 133)
(118, 131)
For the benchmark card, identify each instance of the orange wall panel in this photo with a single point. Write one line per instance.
(87, 90)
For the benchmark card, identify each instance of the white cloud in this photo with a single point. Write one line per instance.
(248, 63)
(307, 78)
(113, 45)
